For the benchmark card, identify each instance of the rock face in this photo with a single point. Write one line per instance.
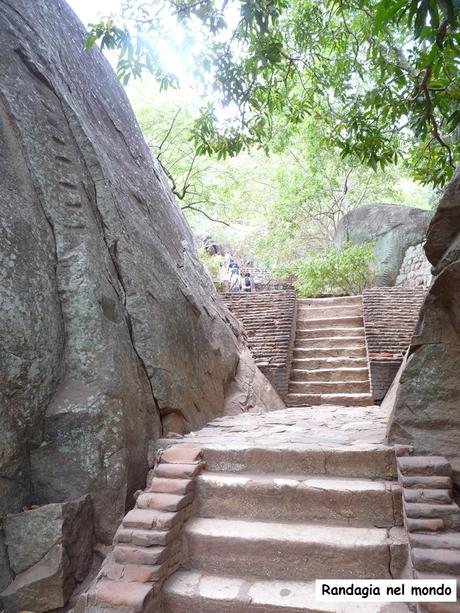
(111, 330)
(49, 551)
(393, 229)
(426, 406)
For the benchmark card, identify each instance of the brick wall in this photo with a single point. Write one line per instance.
(269, 322)
(390, 315)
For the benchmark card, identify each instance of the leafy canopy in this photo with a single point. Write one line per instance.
(382, 75)
(334, 271)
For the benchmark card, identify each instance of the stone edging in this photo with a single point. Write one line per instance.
(432, 519)
(147, 545)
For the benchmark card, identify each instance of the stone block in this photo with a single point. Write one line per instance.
(50, 550)
(424, 465)
(171, 486)
(135, 573)
(177, 471)
(182, 454)
(425, 482)
(164, 502)
(119, 594)
(146, 519)
(424, 525)
(128, 554)
(145, 538)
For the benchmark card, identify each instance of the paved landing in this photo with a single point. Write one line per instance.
(328, 426)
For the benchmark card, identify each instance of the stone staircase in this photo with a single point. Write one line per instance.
(330, 364)
(270, 520)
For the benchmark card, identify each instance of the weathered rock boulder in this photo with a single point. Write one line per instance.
(111, 331)
(392, 228)
(426, 410)
(49, 551)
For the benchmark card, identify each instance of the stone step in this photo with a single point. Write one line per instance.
(290, 551)
(311, 363)
(369, 461)
(328, 322)
(429, 482)
(329, 332)
(320, 498)
(355, 351)
(330, 374)
(329, 311)
(424, 465)
(332, 301)
(346, 400)
(441, 561)
(327, 342)
(329, 387)
(198, 592)
(440, 540)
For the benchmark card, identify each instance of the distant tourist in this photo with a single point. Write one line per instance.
(235, 283)
(248, 283)
(234, 268)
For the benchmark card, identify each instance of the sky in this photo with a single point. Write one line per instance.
(90, 10)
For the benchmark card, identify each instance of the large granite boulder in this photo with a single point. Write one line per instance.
(49, 551)
(426, 409)
(392, 228)
(111, 331)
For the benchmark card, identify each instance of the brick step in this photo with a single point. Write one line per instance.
(355, 351)
(198, 592)
(332, 301)
(329, 311)
(345, 400)
(325, 322)
(286, 498)
(274, 550)
(118, 596)
(311, 363)
(371, 461)
(330, 374)
(329, 387)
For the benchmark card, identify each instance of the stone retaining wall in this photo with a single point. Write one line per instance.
(390, 315)
(415, 269)
(269, 322)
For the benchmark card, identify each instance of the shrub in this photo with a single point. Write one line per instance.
(212, 262)
(334, 271)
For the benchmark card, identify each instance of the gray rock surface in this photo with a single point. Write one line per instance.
(50, 551)
(111, 331)
(426, 411)
(392, 227)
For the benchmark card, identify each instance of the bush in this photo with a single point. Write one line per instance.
(334, 271)
(212, 262)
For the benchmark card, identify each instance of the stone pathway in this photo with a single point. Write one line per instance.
(330, 364)
(288, 497)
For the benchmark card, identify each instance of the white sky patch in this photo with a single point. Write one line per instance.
(176, 50)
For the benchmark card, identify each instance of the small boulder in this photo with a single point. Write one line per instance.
(49, 550)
